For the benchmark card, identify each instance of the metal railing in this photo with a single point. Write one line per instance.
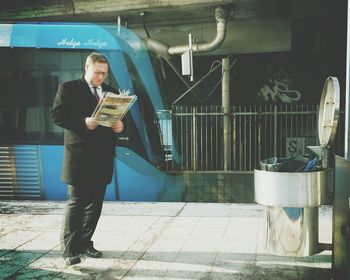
(193, 137)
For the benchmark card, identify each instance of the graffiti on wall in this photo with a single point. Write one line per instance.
(278, 89)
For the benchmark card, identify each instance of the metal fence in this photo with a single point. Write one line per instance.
(209, 138)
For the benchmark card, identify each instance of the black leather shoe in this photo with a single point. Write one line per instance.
(72, 260)
(92, 252)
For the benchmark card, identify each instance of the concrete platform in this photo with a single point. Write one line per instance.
(154, 241)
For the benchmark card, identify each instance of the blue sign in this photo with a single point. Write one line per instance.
(65, 36)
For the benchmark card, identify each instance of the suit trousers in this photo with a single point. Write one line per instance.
(83, 210)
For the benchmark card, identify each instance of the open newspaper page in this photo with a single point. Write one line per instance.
(112, 107)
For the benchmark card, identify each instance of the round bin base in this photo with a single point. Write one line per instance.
(291, 231)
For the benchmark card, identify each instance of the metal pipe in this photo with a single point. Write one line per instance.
(220, 16)
(225, 86)
(165, 51)
(157, 47)
(225, 82)
(190, 44)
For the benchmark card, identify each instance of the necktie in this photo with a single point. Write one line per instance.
(96, 94)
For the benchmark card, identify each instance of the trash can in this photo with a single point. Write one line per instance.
(291, 199)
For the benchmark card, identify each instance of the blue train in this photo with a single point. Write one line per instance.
(35, 58)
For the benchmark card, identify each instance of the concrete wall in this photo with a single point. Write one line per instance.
(227, 187)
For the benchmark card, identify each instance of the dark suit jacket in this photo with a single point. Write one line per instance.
(88, 154)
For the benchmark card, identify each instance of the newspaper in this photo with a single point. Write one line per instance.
(112, 107)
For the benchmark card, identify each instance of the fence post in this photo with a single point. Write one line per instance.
(194, 140)
(275, 130)
(234, 139)
(259, 136)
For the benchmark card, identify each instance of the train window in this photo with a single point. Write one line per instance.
(28, 83)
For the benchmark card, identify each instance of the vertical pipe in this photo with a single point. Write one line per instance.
(225, 86)
(190, 55)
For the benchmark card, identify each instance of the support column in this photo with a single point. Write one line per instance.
(347, 91)
(225, 86)
(341, 218)
(341, 209)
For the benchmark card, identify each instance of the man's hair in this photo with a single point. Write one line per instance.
(96, 57)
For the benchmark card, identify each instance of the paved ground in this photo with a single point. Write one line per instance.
(154, 241)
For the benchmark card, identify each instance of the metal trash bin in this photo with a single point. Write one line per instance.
(291, 199)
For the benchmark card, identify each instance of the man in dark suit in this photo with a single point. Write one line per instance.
(88, 156)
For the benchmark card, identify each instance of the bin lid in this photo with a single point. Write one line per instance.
(329, 111)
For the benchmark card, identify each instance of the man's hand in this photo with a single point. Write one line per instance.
(118, 126)
(91, 123)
